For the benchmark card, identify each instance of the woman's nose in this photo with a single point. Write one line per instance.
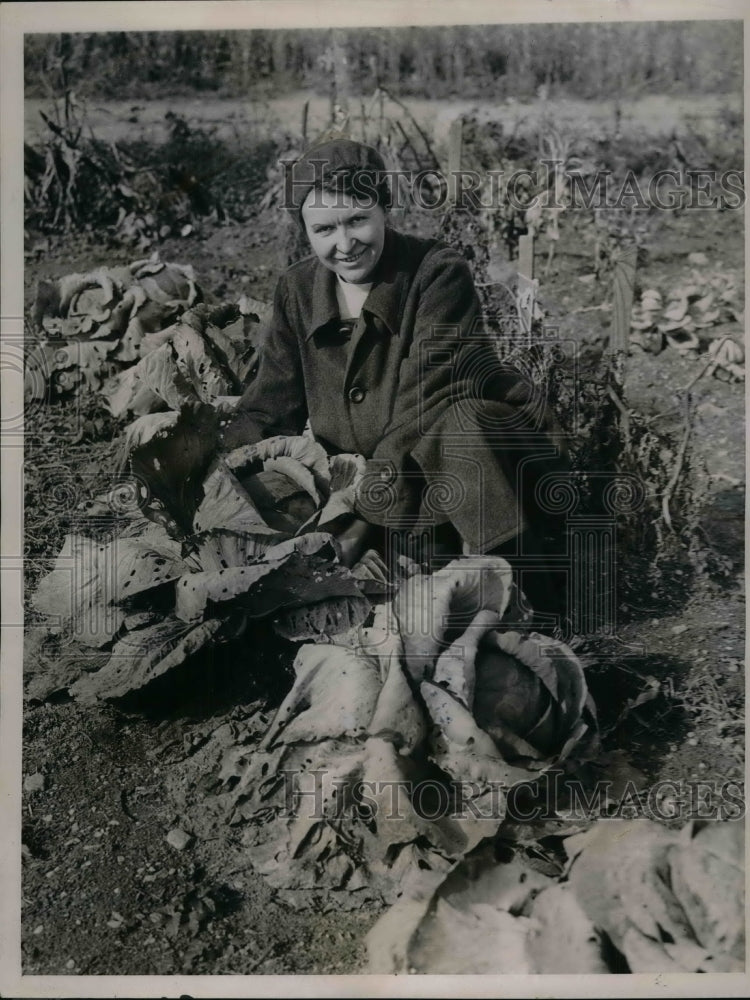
(344, 240)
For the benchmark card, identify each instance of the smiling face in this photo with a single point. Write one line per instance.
(345, 232)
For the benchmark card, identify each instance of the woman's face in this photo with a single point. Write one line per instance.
(345, 232)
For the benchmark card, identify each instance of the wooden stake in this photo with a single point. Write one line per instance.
(526, 286)
(526, 255)
(341, 81)
(623, 282)
(455, 144)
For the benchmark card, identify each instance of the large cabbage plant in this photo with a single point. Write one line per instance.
(140, 337)
(396, 748)
(215, 544)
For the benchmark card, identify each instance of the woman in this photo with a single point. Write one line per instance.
(377, 339)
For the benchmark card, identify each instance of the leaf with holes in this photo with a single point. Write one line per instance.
(321, 619)
(144, 563)
(193, 358)
(173, 462)
(142, 656)
(293, 580)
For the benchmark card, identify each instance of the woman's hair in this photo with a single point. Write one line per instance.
(341, 166)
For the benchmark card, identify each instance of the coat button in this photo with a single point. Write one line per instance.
(356, 394)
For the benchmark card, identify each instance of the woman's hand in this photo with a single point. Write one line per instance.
(352, 540)
(371, 569)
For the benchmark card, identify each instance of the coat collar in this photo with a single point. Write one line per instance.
(386, 296)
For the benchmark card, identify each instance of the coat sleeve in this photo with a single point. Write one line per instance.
(275, 401)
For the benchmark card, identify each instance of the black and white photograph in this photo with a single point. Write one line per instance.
(373, 509)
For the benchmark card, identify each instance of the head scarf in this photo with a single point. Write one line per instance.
(320, 164)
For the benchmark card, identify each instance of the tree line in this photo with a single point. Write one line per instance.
(502, 61)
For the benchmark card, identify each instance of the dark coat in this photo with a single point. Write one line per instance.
(451, 434)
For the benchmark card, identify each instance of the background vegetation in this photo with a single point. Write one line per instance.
(582, 60)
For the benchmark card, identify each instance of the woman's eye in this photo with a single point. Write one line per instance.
(322, 230)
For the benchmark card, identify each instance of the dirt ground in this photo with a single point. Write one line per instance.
(104, 891)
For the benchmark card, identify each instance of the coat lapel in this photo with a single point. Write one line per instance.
(325, 308)
(383, 307)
